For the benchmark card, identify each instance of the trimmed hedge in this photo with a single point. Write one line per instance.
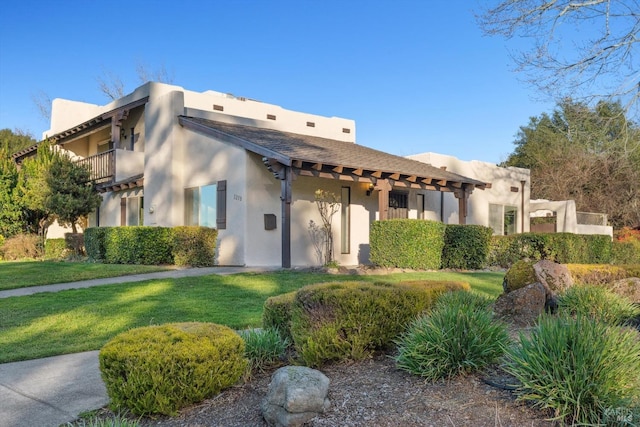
(94, 242)
(189, 245)
(466, 246)
(562, 248)
(160, 369)
(625, 252)
(350, 320)
(55, 249)
(194, 246)
(138, 245)
(407, 243)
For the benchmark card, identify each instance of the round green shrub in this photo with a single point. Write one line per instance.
(519, 275)
(276, 314)
(160, 369)
(457, 337)
(579, 367)
(598, 303)
(350, 320)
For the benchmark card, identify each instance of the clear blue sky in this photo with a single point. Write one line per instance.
(416, 76)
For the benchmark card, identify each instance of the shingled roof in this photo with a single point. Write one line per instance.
(330, 155)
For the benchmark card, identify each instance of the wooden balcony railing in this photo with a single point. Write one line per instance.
(102, 166)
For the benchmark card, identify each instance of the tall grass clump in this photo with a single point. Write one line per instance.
(264, 347)
(598, 303)
(459, 336)
(579, 367)
(117, 420)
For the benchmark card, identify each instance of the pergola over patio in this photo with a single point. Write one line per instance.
(288, 155)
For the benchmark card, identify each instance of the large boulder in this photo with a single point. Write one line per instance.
(296, 394)
(518, 276)
(522, 306)
(555, 277)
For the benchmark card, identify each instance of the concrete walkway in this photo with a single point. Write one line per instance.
(55, 390)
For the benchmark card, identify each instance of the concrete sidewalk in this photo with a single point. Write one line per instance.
(55, 390)
(170, 274)
(52, 391)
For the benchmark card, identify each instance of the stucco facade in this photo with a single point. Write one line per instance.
(166, 156)
(508, 193)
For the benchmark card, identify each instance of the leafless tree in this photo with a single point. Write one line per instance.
(586, 49)
(42, 101)
(111, 85)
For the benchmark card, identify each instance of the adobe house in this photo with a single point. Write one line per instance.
(503, 206)
(166, 156)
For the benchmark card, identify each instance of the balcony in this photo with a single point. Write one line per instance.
(114, 165)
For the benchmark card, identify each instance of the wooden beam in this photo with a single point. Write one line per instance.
(462, 208)
(442, 182)
(358, 171)
(394, 176)
(285, 197)
(377, 174)
(427, 181)
(317, 166)
(338, 169)
(412, 178)
(457, 184)
(383, 186)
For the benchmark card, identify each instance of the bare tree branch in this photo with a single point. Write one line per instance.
(584, 49)
(42, 101)
(110, 85)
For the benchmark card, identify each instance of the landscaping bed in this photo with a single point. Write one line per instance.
(371, 393)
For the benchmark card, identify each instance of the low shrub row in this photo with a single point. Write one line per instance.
(411, 243)
(407, 243)
(419, 244)
(564, 248)
(185, 245)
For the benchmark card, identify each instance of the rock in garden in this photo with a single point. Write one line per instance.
(522, 306)
(296, 394)
(555, 277)
(628, 288)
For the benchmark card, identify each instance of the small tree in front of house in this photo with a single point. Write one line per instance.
(328, 204)
(71, 193)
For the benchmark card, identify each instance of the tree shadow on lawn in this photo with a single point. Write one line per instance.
(78, 320)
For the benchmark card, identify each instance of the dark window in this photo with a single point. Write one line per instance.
(398, 205)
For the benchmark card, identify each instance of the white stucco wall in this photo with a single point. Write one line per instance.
(163, 181)
(502, 181)
(206, 161)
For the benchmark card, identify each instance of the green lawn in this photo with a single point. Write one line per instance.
(22, 274)
(77, 320)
